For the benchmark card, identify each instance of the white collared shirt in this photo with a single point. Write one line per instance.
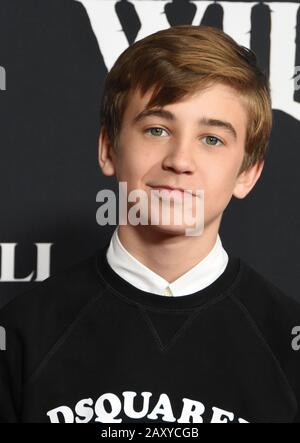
(136, 273)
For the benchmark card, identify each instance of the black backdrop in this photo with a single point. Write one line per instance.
(49, 126)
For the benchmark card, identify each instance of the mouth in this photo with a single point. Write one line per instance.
(171, 190)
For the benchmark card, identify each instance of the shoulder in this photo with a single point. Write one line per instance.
(262, 297)
(68, 289)
(38, 317)
(274, 315)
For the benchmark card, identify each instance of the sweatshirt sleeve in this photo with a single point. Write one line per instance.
(277, 317)
(10, 376)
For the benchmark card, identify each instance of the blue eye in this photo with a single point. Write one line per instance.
(211, 138)
(155, 127)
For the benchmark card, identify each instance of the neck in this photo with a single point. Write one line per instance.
(168, 255)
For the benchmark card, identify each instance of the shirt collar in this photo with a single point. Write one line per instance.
(136, 273)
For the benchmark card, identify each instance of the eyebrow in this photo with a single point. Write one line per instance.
(203, 121)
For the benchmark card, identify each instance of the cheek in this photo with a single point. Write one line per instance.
(131, 168)
(218, 188)
(222, 175)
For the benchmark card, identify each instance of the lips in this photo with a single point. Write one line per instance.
(171, 189)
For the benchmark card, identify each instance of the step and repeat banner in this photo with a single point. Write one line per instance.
(54, 57)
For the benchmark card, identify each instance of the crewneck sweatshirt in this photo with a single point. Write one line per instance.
(85, 345)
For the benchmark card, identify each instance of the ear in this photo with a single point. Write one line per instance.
(247, 179)
(106, 155)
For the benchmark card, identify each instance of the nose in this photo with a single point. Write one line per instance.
(179, 158)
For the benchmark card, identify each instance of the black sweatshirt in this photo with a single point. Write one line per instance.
(85, 345)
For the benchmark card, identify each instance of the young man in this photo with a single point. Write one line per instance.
(161, 326)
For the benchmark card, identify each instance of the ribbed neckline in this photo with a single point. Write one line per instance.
(118, 285)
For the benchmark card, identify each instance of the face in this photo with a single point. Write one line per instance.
(197, 143)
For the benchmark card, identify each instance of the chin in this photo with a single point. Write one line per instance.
(170, 229)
